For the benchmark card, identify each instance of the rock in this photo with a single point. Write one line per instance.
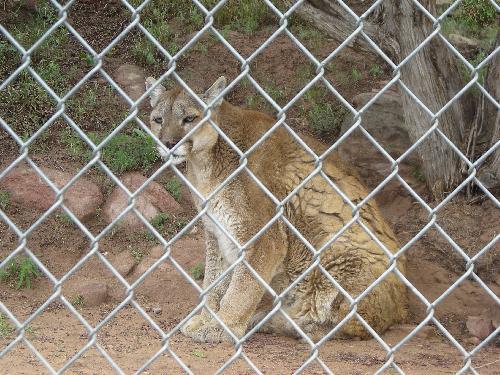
(479, 326)
(157, 310)
(93, 293)
(494, 314)
(395, 202)
(152, 200)
(157, 252)
(29, 190)
(384, 120)
(131, 79)
(489, 179)
(423, 333)
(124, 263)
(426, 332)
(473, 341)
(466, 46)
(444, 2)
(27, 5)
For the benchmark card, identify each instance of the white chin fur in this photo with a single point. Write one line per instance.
(178, 159)
(163, 154)
(179, 155)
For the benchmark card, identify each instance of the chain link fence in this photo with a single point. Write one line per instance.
(135, 23)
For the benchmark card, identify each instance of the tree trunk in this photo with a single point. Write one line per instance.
(488, 118)
(398, 28)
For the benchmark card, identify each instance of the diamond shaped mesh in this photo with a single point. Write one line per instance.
(171, 62)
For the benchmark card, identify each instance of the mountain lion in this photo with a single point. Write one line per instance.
(284, 258)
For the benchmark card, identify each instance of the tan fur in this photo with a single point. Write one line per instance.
(279, 256)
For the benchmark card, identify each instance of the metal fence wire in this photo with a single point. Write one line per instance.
(239, 353)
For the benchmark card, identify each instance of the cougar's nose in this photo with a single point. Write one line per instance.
(172, 143)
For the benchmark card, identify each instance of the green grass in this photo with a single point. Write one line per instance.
(160, 220)
(4, 199)
(467, 76)
(137, 255)
(77, 301)
(87, 59)
(174, 187)
(150, 237)
(473, 19)
(21, 271)
(7, 54)
(356, 74)
(304, 73)
(24, 104)
(324, 118)
(255, 101)
(375, 70)
(166, 225)
(198, 271)
(417, 174)
(476, 61)
(275, 92)
(64, 219)
(246, 15)
(6, 329)
(476, 14)
(93, 99)
(198, 353)
(308, 34)
(324, 115)
(181, 223)
(124, 152)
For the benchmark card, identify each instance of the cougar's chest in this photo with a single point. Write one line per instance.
(228, 222)
(226, 207)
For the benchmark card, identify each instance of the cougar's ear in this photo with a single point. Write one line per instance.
(154, 95)
(215, 90)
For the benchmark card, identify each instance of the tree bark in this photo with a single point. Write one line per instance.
(489, 121)
(398, 28)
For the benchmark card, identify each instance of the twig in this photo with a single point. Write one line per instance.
(487, 364)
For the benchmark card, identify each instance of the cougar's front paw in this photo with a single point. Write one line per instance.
(213, 332)
(193, 324)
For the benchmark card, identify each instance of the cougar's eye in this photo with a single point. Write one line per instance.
(158, 120)
(189, 119)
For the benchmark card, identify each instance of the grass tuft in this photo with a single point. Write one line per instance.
(324, 116)
(198, 271)
(124, 152)
(78, 301)
(174, 187)
(21, 270)
(160, 220)
(5, 328)
(137, 255)
(375, 70)
(476, 14)
(4, 199)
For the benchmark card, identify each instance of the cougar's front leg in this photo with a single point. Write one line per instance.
(244, 292)
(214, 266)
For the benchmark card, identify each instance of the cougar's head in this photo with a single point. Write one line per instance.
(175, 113)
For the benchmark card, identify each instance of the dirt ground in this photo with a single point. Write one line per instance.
(167, 297)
